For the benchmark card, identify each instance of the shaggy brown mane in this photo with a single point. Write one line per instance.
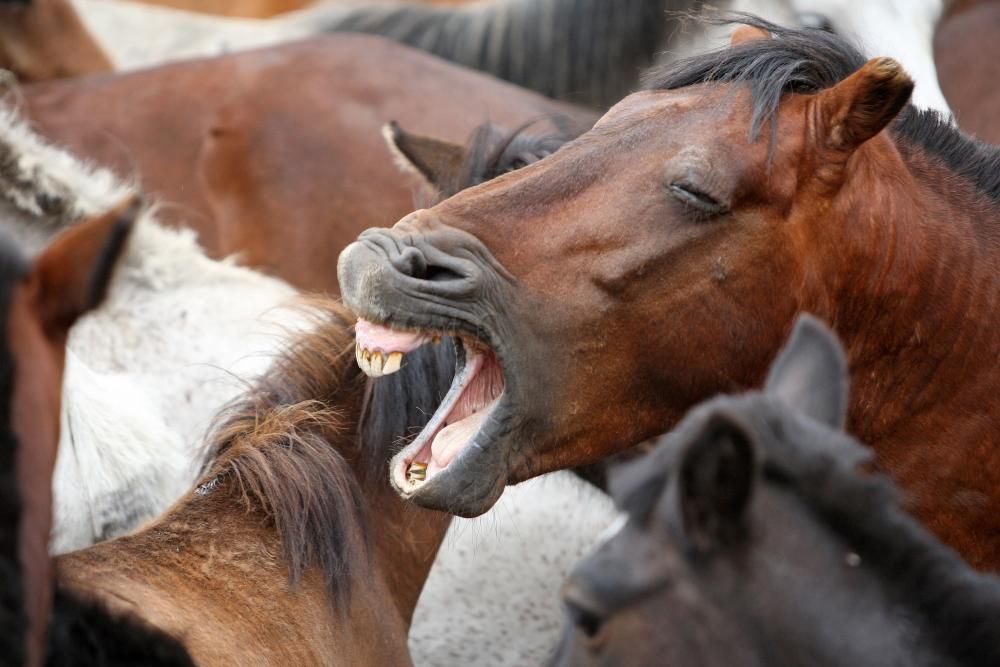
(280, 448)
(296, 448)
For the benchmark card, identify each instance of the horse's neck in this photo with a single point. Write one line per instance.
(406, 539)
(913, 289)
(927, 606)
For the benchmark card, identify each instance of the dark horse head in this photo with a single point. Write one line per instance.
(661, 258)
(750, 540)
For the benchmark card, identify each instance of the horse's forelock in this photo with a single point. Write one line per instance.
(793, 60)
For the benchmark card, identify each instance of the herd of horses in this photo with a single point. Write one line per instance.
(698, 339)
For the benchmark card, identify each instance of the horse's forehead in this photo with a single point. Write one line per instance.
(663, 105)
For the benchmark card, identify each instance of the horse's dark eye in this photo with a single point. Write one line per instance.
(695, 198)
(587, 620)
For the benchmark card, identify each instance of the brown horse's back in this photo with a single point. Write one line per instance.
(967, 53)
(277, 153)
(146, 125)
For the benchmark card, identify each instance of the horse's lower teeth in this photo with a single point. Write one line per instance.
(417, 472)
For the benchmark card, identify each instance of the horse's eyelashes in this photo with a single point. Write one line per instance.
(692, 196)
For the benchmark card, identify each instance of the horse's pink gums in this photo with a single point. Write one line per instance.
(376, 337)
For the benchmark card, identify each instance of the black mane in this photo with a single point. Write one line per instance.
(959, 606)
(806, 61)
(585, 51)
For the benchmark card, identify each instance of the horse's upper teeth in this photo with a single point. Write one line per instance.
(393, 363)
(376, 364)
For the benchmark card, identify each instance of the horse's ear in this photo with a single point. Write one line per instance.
(438, 162)
(747, 33)
(810, 373)
(859, 107)
(71, 275)
(716, 478)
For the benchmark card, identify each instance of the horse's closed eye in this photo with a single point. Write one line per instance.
(695, 198)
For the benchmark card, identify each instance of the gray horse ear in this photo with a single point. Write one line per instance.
(436, 161)
(810, 373)
(716, 478)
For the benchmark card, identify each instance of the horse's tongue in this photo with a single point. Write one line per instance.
(450, 440)
(377, 337)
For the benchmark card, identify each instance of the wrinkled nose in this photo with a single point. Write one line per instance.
(420, 247)
(419, 257)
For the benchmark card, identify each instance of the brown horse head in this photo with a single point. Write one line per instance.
(601, 273)
(42, 301)
(661, 257)
(45, 39)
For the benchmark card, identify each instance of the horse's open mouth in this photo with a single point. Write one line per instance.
(473, 396)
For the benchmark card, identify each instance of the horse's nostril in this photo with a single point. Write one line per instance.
(588, 620)
(412, 263)
(440, 274)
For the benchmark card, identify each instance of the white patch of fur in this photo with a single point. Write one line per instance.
(43, 188)
(119, 462)
(138, 35)
(492, 597)
(177, 337)
(32, 166)
(399, 158)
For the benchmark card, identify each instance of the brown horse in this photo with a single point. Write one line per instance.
(661, 258)
(40, 301)
(44, 39)
(230, 157)
(967, 53)
(293, 549)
